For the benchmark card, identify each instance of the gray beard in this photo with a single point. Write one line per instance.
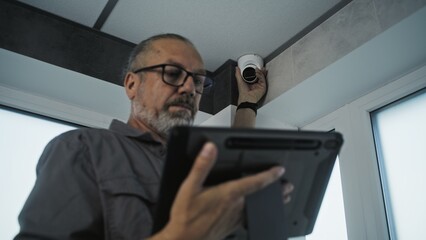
(164, 121)
(167, 121)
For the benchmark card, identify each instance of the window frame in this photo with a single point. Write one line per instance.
(361, 182)
(380, 157)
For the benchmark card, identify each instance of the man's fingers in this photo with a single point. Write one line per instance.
(261, 72)
(237, 71)
(240, 80)
(287, 189)
(202, 166)
(287, 199)
(251, 184)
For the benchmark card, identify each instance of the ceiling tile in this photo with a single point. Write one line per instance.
(80, 11)
(220, 29)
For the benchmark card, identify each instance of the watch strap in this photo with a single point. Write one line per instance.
(252, 106)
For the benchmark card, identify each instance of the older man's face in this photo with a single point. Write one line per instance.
(163, 106)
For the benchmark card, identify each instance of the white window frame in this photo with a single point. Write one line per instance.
(361, 186)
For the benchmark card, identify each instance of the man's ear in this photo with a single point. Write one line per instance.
(131, 84)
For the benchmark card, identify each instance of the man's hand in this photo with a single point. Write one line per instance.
(251, 92)
(214, 212)
(287, 189)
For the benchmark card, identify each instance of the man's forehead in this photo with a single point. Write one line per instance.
(173, 49)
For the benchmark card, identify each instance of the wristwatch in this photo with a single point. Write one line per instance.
(252, 106)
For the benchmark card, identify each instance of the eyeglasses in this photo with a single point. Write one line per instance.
(176, 76)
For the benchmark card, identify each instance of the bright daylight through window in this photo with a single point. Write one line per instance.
(22, 140)
(331, 222)
(400, 135)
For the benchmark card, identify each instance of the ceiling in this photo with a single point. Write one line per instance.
(220, 29)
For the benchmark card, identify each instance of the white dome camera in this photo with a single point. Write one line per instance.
(248, 64)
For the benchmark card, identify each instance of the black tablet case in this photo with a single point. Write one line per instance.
(307, 156)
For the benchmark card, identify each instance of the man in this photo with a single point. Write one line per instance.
(103, 184)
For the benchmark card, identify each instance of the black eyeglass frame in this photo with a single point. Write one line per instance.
(207, 83)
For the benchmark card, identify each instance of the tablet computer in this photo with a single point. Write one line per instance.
(307, 156)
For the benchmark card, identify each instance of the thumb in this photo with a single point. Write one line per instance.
(201, 167)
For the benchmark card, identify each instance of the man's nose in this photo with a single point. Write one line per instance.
(188, 86)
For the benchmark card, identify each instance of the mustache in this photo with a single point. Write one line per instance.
(185, 101)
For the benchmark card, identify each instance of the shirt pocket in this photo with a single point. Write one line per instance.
(128, 205)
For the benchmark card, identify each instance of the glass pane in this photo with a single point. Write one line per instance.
(22, 140)
(331, 222)
(400, 134)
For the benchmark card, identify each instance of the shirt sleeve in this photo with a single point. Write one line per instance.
(65, 202)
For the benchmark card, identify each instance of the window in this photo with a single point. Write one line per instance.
(22, 140)
(331, 223)
(400, 136)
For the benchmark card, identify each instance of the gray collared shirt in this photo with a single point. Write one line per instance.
(95, 184)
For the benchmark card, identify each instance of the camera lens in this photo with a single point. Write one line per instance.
(249, 75)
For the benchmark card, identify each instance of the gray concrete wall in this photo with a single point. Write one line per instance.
(354, 25)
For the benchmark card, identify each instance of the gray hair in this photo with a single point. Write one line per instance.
(145, 46)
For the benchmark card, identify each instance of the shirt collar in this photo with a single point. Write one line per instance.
(129, 131)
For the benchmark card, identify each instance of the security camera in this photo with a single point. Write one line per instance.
(248, 64)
